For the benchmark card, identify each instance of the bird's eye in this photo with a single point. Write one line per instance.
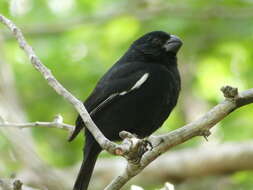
(156, 41)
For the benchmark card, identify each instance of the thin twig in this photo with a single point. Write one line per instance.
(39, 124)
(46, 73)
(160, 143)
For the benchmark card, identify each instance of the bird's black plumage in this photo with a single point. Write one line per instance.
(137, 95)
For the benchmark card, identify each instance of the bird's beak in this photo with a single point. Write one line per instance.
(173, 44)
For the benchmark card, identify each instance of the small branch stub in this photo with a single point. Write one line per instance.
(17, 185)
(205, 134)
(129, 142)
(58, 119)
(132, 148)
(229, 92)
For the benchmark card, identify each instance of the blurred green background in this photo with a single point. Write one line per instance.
(80, 39)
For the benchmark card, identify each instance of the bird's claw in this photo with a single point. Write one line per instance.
(137, 147)
(144, 147)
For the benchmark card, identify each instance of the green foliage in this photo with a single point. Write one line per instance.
(79, 43)
(244, 179)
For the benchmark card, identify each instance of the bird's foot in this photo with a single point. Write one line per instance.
(146, 146)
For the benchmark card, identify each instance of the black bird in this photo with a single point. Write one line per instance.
(137, 95)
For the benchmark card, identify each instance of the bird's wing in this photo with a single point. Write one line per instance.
(117, 82)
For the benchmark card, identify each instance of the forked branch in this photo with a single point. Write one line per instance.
(130, 146)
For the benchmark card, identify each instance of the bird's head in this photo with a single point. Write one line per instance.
(158, 43)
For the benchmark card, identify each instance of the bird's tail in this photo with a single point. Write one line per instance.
(78, 128)
(92, 149)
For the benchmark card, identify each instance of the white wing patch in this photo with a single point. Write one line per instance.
(140, 81)
(137, 84)
(113, 96)
(102, 104)
(123, 93)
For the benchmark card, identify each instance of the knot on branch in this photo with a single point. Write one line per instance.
(132, 148)
(58, 119)
(229, 92)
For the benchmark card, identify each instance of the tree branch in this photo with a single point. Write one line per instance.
(179, 165)
(106, 144)
(200, 127)
(128, 148)
(56, 123)
(7, 184)
(22, 147)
